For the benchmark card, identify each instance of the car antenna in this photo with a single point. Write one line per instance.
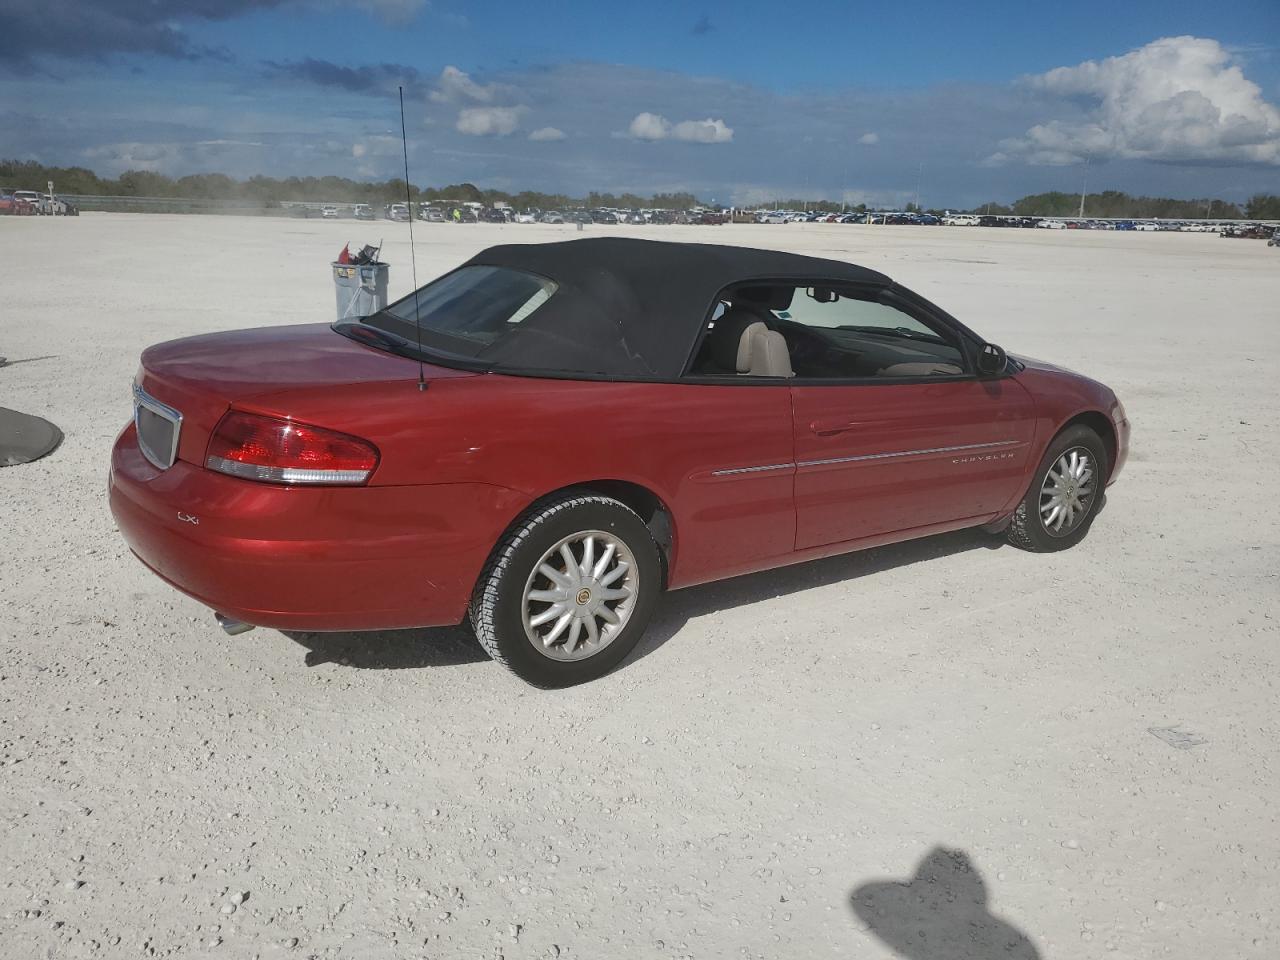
(413, 260)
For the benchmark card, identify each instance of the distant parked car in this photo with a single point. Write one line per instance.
(1248, 231)
(9, 204)
(329, 212)
(13, 205)
(603, 216)
(770, 217)
(553, 216)
(494, 216)
(363, 211)
(710, 218)
(397, 211)
(526, 216)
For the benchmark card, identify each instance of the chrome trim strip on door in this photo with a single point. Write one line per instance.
(735, 470)
(866, 456)
(905, 453)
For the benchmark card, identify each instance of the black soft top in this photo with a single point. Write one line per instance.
(633, 309)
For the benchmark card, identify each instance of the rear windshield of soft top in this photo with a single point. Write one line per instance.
(466, 311)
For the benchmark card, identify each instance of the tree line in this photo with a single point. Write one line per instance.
(271, 191)
(1112, 204)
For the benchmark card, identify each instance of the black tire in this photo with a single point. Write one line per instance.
(496, 611)
(1027, 530)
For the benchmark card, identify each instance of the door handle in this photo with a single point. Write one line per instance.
(829, 428)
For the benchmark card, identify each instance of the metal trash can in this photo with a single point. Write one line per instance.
(361, 289)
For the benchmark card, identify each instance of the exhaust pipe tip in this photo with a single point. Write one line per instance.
(232, 628)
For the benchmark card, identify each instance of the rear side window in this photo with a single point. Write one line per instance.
(467, 310)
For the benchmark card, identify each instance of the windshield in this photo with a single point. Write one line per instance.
(467, 310)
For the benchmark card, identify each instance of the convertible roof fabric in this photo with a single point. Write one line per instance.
(24, 438)
(633, 309)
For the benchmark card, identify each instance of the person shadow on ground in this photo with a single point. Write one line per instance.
(940, 913)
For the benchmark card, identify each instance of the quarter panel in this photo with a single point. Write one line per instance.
(318, 558)
(541, 435)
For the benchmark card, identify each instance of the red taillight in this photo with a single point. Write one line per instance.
(281, 451)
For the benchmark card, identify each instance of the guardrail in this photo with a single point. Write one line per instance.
(177, 205)
(237, 207)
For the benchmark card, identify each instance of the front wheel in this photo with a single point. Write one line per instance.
(1065, 493)
(568, 591)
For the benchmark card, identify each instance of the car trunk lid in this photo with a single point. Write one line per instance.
(202, 377)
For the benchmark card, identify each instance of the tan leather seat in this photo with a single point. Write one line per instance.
(763, 352)
(740, 342)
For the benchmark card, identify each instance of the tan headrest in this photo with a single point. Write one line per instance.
(763, 352)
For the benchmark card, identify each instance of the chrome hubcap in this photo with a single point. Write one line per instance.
(1066, 495)
(580, 595)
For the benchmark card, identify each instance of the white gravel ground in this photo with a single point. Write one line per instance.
(779, 741)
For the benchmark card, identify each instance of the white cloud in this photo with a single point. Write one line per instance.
(489, 121)
(456, 86)
(649, 126)
(869, 139)
(358, 150)
(1178, 99)
(702, 131)
(652, 126)
(547, 133)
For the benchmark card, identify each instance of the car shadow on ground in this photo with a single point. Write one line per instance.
(452, 646)
(940, 913)
(680, 606)
(392, 649)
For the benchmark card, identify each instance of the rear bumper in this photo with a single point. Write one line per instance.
(337, 558)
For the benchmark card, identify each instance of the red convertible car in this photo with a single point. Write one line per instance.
(551, 435)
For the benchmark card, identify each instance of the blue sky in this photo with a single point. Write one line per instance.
(978, 100)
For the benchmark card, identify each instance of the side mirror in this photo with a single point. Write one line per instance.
(991, 360)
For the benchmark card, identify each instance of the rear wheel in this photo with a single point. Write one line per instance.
(568, 591)
(1065, 493)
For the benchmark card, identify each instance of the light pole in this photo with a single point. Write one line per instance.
(1084, 183)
